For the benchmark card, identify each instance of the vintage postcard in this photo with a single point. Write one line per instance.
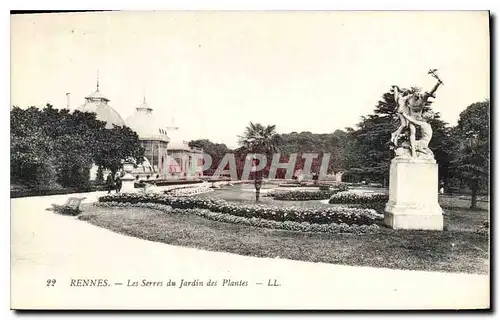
(243, 160)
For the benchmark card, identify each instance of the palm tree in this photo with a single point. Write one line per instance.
(259, 139)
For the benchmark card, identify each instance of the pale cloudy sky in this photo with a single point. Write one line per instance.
(216, 71)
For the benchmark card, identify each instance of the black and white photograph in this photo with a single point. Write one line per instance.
(250, 160)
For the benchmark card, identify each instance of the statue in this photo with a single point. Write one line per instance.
(421, 146)
(413, 175)
(410, 105)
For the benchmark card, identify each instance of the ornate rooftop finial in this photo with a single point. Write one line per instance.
(144, 105)
(97, 96)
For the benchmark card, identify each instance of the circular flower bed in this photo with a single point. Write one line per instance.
(338, 215)
(253, 221)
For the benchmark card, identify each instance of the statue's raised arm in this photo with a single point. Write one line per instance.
(430, 94)
(400, 97)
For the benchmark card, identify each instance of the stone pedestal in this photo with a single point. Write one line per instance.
(413, 195)
(128, 179)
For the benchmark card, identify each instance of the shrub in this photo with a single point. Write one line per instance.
(17, 190)
(324, 187)
(301, 195)
(139, 184)
(350, 216)
(342, 187)
(347, 197)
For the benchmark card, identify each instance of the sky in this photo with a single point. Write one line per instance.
(214, 72)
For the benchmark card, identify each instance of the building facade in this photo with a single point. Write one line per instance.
(166, 154)
(96, 102)
(183, 161)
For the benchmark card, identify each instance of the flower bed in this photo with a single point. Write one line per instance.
(348, 197)
(189, 191)
(301, 195)
(169, 182)
(338, 215)
(253, 221)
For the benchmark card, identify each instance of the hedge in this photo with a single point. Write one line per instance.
(358, 198)
(301, 195)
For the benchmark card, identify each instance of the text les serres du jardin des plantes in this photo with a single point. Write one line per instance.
(181, 283)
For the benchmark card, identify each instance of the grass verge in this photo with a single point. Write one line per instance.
(458, 249)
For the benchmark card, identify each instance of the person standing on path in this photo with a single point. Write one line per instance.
(110, 183)
(118, 182)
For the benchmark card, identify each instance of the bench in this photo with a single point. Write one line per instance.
(71, 207)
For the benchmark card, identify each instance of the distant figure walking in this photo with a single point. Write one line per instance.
(110, 184)
(118, 182)
(315, 178)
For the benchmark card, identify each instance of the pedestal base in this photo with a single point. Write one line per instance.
(400, 219)
(128, 184)
(413, 196)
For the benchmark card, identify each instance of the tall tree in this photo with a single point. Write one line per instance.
(50, 146)
(216, 150)
(32, 159)
(472, 148)
(115, 145)
(260, 139)
(307, 142)
(368, 153)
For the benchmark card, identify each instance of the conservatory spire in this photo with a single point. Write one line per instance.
(97, 79)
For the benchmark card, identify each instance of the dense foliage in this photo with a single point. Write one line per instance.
(53, 148)
(285, 144)
(301, 195)
(215, 150)
(348, 197)
(471, 148)
(324, 143)
(368, 153)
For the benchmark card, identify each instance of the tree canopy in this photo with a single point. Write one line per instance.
(471, 147)
(51, 146)
(215, 150)
(368, 153)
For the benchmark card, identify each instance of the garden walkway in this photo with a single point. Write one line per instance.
(49, 246)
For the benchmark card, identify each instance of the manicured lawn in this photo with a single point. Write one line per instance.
(457, 249)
